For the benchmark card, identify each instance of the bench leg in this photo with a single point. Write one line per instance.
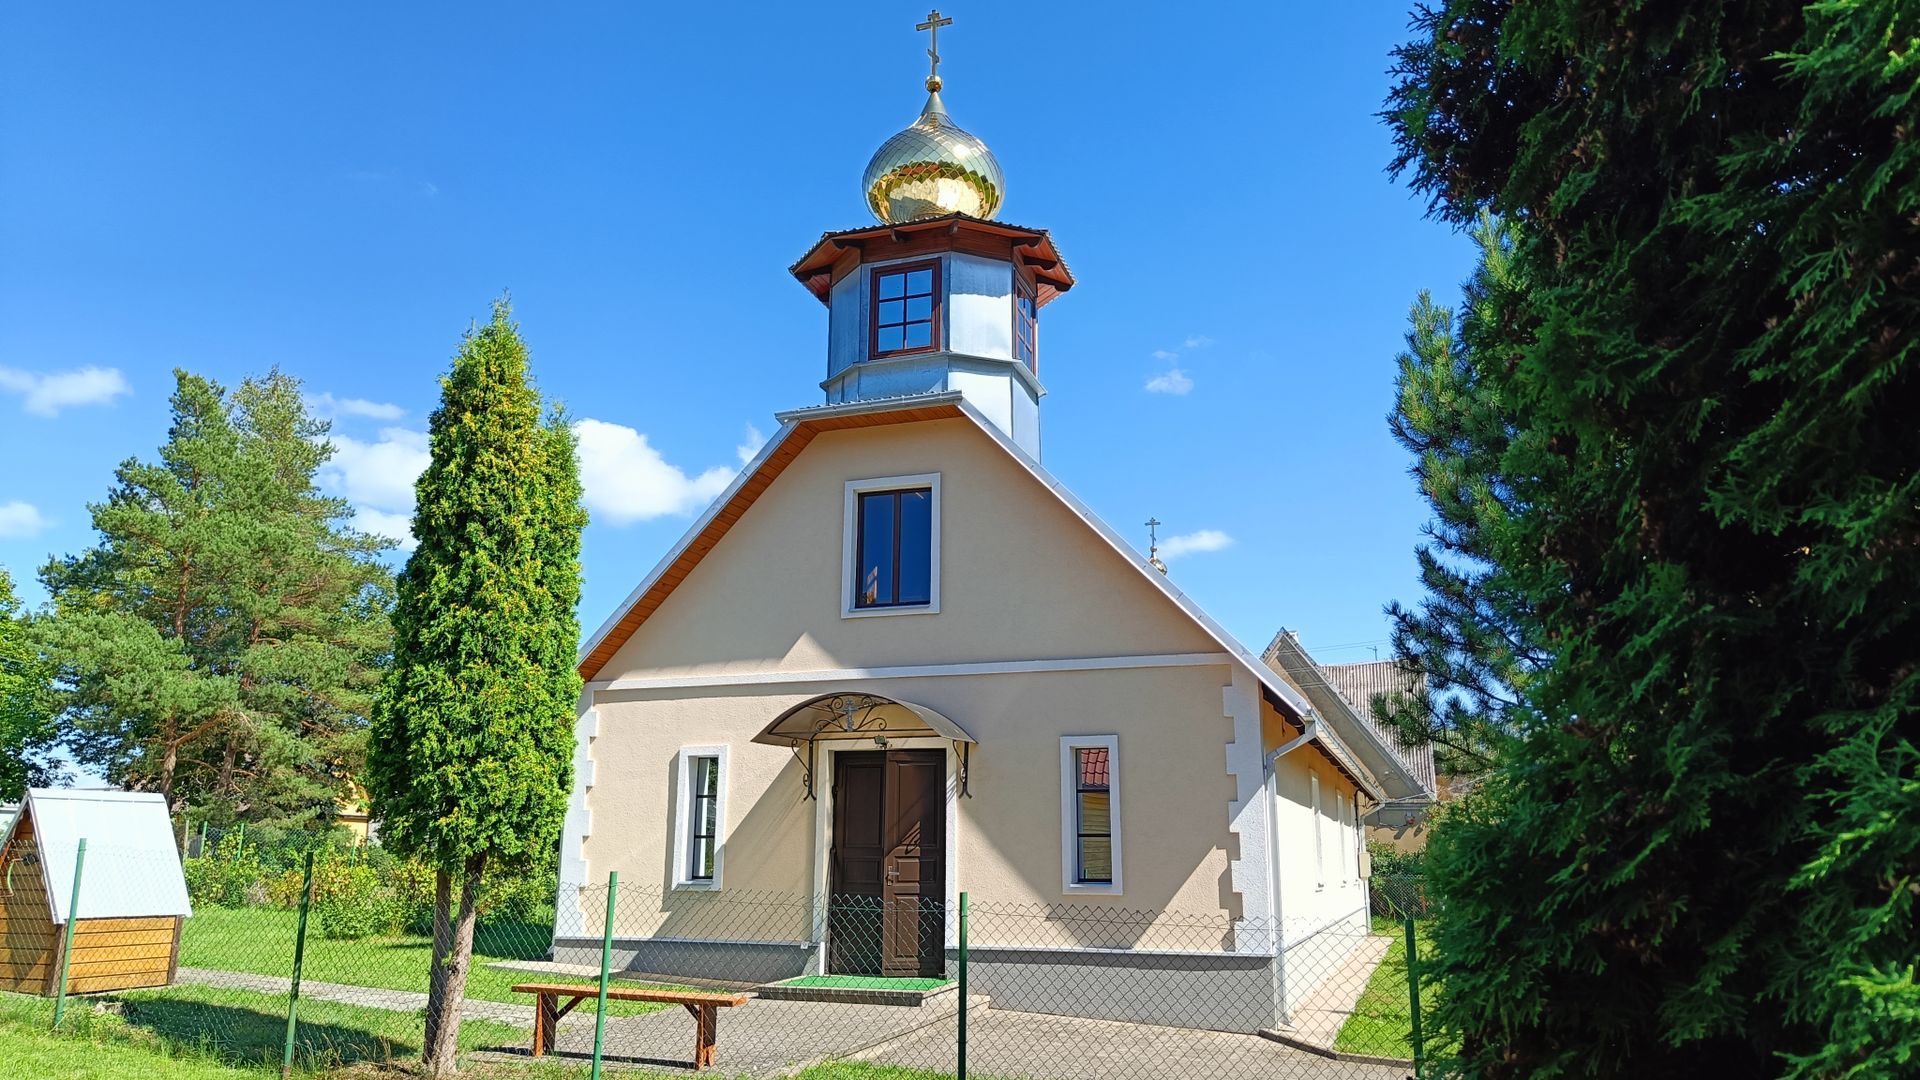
(546, 1020)
(703, 1045)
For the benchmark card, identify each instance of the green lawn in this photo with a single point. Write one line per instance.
(202, 1033)
(159, 1037)
(1382, 1020)
(260, 940)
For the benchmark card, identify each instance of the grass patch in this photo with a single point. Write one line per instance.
(245, 1027)
(864, 982)
(94, 1046)
(201, 1033)
(260, 940)
(1382, 1021)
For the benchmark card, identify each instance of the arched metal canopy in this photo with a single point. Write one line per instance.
(860, 716)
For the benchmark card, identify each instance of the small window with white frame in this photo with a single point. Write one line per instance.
(699, 827)
(1090, 813)
(891, 546)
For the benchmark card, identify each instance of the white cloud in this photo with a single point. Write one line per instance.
(329, 406)
(750, 445)
(1198, 341)
(1163, 355)
(377, 478)
(1175, 381)
(1173, 547)
(46, 394)
(626, 479)
(20, 519)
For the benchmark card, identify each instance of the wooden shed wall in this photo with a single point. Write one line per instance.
(26, 929)
(108, 954)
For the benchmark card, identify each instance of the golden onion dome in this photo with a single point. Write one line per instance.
(932, 168)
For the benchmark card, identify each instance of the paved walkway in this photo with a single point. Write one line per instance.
(346, 994)
(1318, 1019)
(1002, 1043)
(766, 1038)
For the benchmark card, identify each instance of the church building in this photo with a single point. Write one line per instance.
(897, 659)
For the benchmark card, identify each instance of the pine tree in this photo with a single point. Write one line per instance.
(470, 763)
(1470, 637)
(221, 641)
(1698, 857)
(26, 721)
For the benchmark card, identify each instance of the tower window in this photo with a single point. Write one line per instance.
(906, 309)
(1026, 324)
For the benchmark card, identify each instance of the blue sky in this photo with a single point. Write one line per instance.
(339, 189)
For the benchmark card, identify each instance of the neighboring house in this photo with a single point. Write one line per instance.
(1348, 690)
(897, 659)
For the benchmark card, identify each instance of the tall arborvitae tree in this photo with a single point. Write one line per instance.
(26, 720)
(221, 642)
(471, 758)
(1699, 859)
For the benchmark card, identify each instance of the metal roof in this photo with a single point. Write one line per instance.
(1407, 773)
(132, 867)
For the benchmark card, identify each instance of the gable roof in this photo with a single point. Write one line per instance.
(1405, 773)
(132, 867)
(799, 427)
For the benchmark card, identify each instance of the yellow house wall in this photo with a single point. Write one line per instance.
(1022, 577)
(1173, 795)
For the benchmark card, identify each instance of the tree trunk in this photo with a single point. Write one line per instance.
(452, 957)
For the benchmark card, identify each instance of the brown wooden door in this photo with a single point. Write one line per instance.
(888, 867)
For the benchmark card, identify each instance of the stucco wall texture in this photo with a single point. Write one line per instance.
(1021, 579)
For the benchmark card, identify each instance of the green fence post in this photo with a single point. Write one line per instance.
(66, 949)
(963, 988)
(299, 957)
(202, 853)
(606, 961)
(1413, 996)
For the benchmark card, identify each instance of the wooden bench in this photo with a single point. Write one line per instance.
(704, 1007)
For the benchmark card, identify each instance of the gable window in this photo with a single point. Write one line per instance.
(1090, 813)
(699, 819)
(893, 545)
(906, 309)
(1026, 324)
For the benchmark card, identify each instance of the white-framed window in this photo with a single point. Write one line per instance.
(1090, 814)
(700, 816)
(890, 546)
(1319, 831)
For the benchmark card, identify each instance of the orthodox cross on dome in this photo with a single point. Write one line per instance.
(932, 26)
(1153, 545)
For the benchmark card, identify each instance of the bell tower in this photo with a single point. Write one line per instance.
(939, 296)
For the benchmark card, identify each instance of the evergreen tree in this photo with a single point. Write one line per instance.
(1471, 636)
(221, 642)
(26, 722)
(1698, 857)
(470, 763)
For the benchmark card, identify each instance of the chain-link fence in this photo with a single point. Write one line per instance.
(330, 965)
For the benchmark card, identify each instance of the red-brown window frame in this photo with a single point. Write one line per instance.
(1032, 290)
(873, 308)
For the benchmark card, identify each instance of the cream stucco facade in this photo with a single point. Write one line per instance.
(1046, 628)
